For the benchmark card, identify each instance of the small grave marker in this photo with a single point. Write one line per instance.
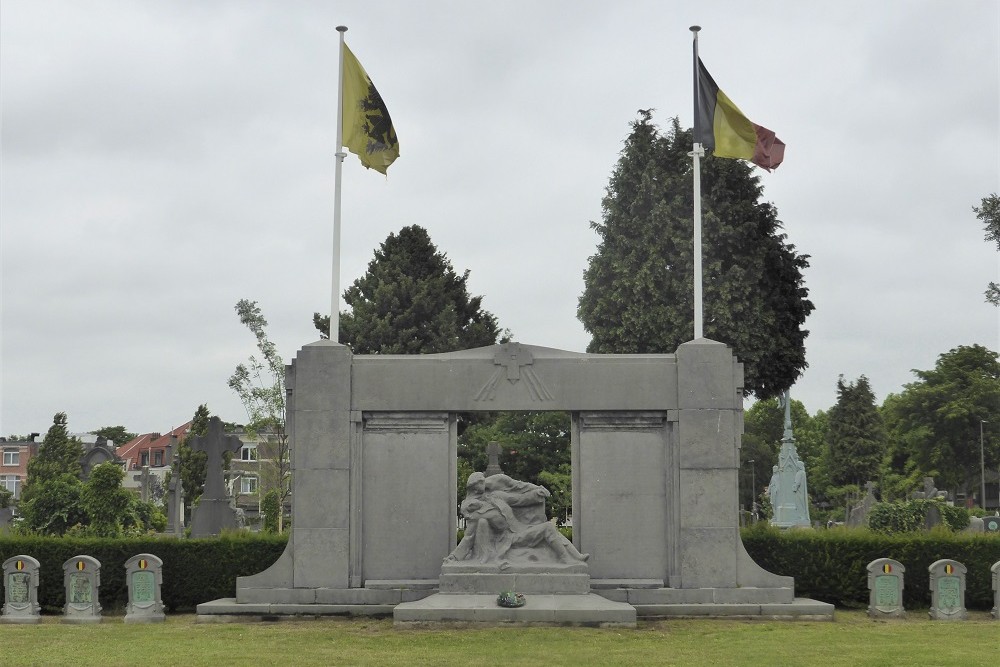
(20, 582)
(947, 583)
(885, 585)
(82, 577)
(144, 576)
(995, 571)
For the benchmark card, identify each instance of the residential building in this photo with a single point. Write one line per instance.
(14, 457)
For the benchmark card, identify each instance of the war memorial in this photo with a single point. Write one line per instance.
(655, 457)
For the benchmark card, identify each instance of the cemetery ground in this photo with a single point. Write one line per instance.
(851, 639)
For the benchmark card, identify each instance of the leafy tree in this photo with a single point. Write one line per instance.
(989, 213)
(935, 421)
(261, 388)
(107, 504)
(116, 434)
(270, 507)
(638, 287)
(856, 437)
(6, 498)
(59, 454)
(194, 464)
(51, 506)
(411, 301)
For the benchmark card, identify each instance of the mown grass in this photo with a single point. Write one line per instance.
(852, 639)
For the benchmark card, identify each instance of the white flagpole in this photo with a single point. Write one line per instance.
(340, 155)
(696, 154)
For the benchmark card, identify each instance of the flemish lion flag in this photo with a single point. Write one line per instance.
(721, 126)
(368, 131)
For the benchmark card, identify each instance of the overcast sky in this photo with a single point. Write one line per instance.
(162, 160)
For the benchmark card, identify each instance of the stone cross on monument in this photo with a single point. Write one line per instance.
(512, 357)
(213, 512)
(493, 453)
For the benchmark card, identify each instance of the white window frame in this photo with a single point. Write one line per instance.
(11, 457)
(144, 458)
(11, 482)
(248, 452)
(158, 455)
(248, 485)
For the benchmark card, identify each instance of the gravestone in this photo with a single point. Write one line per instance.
(991, 524)
(947, 583)
(885, 586)
(20, 584)
(6, 518)
(995, 572)
(145, 481)
(790, 500)
(82, 578)
(144, 576)
(214, 513)
(859, 515)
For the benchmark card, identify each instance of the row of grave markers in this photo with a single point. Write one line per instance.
(82, 578)
(947, 584)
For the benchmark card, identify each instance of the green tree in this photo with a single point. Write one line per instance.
(50, 500)
(194, 464)
(989, 213)
(116, 434)
(411, 301)
(108, 505)
(638, 287)
(260, 384)
(856, 436)
(935, 422)
(59, 454)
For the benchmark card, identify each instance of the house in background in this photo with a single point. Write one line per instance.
(154, 451)
(14, 457)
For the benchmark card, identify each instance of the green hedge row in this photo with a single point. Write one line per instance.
(194, 571)
(830, 565)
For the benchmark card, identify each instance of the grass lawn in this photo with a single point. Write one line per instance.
(852, 639)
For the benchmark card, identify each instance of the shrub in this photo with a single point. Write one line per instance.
(830, 565)
(910, 515)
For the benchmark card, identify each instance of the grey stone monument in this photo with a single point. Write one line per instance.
(858, 517)
(995, 576)
(144, 576)
(82, 577)
(175, 499)
(947, 583)
(6, 518)
(655, 442)
(885, 586)
(20, 583)
(493, 459)
(790, 501)
(214, 513)
(145, 481)
(991, 524)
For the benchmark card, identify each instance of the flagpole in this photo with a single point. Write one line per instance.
(696, 154)
(340, 155)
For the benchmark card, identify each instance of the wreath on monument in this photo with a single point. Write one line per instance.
(511, 599)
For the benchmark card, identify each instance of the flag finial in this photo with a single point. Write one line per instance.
(694, 28)
(341, 28)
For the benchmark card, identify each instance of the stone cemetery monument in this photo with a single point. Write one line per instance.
(214, 512)
(6, 518)
(20, 583)
(788, 490)
(885, 586)
(144, 576)
(991, 524)
(82, 577)
(858, 517)
(947, 583)
(655, 456)
(145, 480)
(995, 577)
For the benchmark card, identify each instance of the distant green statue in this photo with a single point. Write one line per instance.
(789, 490)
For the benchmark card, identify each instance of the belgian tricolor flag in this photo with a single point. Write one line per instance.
(721, 126)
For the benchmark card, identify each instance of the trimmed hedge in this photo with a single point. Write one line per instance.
(829, 565)
(194, 571)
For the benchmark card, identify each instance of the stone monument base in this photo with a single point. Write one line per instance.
(539, 609)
